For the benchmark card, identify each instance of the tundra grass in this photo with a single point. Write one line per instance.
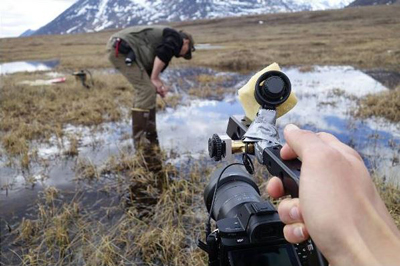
(73, 232)
(364, 37)
(385, 104)
(39, 112)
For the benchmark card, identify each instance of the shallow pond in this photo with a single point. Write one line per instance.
(29, 66)
(208, 46)
(326, 95)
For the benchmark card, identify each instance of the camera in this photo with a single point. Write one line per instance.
(248, 228)
(123, 47)
(130, 58)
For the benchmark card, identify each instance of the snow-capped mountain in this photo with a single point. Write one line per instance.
(97, 15)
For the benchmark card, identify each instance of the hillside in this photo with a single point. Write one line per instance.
(366, 37)
(373, 2)
(97, 15)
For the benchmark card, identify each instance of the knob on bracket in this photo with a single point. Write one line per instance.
(216, 147)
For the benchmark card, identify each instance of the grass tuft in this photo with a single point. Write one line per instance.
(385, 104)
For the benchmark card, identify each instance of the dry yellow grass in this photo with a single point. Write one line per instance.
(390, 194)
(386, 104)
(207, 91)
(211, 87)
(363, 37)
(73, 233)
(35, 112)
(366, 37)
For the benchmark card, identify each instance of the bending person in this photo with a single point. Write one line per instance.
(141, 53)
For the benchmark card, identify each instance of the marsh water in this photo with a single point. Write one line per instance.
(326, 98)
(28, 66)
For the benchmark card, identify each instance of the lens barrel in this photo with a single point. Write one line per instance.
(236, 187)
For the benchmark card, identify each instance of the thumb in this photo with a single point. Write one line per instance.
(302, 141)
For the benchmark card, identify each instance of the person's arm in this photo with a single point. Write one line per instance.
(155, 77)
(170, 46)
(338, 204)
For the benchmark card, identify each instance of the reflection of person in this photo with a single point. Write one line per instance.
(141, 53)
(338, 206)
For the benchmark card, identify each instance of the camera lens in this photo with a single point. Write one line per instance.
(272, 89)
(236, 187)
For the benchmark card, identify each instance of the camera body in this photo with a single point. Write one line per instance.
(249, 231)
(130, 58)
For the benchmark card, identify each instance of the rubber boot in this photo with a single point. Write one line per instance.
(151, 130)
(139, 124)
(153, 150)
(145, 140)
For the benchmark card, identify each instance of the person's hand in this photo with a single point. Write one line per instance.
(163, 90)
(160, 88)
(338, 205)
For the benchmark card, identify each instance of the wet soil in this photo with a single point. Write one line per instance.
(390, 79)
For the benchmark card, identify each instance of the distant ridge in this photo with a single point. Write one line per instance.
(27, 33)
(97, 15)
(374, 2)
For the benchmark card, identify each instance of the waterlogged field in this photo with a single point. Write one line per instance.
(78, 195)
(72, 189)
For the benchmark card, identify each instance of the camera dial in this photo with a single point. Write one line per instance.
(216, 147)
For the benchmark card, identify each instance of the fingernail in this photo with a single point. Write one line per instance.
(298, 232)
(291, 127)
(294, 213)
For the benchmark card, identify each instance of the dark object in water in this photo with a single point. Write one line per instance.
(82, 77)
(389, 79)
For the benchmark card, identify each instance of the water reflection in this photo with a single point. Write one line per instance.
(326, 97)
(187, 129)
(29, 66)
(208, 46)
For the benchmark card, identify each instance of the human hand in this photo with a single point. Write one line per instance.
(163, 90)
(338, 205)
(160, 88)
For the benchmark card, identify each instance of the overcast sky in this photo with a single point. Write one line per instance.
(16, 16)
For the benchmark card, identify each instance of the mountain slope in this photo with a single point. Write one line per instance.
(373, 2)
(96, 15)
(27, 33)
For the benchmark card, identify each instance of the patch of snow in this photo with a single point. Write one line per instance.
(72, 29)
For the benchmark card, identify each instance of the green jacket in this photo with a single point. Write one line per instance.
(143, 40)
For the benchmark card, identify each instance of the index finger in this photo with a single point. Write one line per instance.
(301, 142)
(275, 188)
